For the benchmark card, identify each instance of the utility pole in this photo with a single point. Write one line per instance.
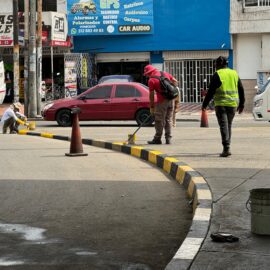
(16, 56)
(39, 55)
(32, 61)
(26, 55)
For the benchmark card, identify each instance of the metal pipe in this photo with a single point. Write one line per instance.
(39, 55)
(32, 61)
(16, 55)
(26, 55)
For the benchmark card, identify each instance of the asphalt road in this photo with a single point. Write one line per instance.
(104, 211)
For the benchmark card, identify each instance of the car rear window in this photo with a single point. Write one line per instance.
(123, 91)
(99, 92)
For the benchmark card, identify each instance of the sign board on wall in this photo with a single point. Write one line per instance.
(110, 17)
(70, 79)
(54, 29)
(6, 30)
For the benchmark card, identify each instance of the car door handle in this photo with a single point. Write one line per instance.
(135, 99)
(106, 101)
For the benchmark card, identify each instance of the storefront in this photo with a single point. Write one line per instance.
(177, 36)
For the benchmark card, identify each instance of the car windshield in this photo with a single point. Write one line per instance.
(112, 80)
(261, 90)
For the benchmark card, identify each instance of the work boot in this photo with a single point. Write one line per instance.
(155, 141)
(168, 141)
(226, 152)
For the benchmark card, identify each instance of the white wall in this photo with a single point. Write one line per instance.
(62, 6)
(249, 20)
(247, 55)
(6, 6)
(266, 51)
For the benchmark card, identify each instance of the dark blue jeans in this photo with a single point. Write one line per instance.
(225, 117)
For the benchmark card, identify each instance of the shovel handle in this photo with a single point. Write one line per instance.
(144, 121)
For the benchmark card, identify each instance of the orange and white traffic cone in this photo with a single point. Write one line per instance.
(204, 119)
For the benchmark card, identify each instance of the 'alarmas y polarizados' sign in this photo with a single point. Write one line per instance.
(110, 17)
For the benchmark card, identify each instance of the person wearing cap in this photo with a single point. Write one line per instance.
(12, 118)
(228, 93)
(163, 111)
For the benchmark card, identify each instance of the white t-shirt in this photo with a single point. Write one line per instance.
(7, 114)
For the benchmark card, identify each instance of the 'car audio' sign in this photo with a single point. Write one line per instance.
(110, 17)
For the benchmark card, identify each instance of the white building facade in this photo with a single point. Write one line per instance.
(250, 29)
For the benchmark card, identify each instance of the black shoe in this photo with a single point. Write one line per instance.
(225, 153)
(155, 141)
(168, 141)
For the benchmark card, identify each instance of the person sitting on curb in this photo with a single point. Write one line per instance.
(12, 118)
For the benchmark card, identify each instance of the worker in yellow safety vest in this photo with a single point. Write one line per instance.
(228, 93)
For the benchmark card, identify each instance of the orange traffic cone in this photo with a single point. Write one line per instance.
(204, 119)
(76, 148)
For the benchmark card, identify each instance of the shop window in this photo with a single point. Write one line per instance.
(100, 93)
(123, 91)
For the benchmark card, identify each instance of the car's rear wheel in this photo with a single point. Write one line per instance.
(63, 118)
(142, 115)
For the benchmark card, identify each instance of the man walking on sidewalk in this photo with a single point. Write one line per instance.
(163, 111)
(227, 90)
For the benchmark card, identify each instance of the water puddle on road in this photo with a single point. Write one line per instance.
(7, 262)
(27, 232)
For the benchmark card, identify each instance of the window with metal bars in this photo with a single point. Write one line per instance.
(193, 77)
(256, 3)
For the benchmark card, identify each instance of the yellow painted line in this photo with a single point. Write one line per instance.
(181, 171)
(118, 143)
(193, 182)
(168, 163)
(153, 156)
(23, 131)
(136, 151)
(46, 135)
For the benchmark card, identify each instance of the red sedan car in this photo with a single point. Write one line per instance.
(113, 101)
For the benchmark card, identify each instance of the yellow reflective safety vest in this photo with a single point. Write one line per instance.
(227, 93)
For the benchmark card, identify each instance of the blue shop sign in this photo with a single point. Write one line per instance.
(110, 17)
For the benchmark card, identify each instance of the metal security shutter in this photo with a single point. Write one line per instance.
(123, 57)
(191, 68)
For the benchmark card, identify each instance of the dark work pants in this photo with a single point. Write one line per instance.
(11, 124)
(225, 117)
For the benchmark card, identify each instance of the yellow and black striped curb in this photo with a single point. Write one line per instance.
(196, 186)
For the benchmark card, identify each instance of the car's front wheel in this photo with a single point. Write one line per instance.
(143, 117)
(63, 118)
